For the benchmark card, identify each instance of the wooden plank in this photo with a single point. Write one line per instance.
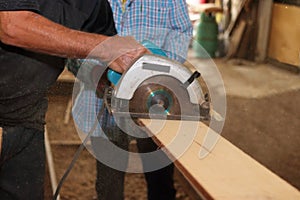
(235, 19)
(264, 23)
(187, 187)
(284, 44)
(247, 46)
(50, 163)
(236, 38)
(68, 111)
(227, 172)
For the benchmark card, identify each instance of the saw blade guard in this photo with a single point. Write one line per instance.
(150, 66)
(155, 87)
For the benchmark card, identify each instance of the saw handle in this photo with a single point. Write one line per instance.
(153, 48)
(114, 76)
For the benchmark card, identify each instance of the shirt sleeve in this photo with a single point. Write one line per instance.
(13, 5)
(180, 36)
(101, 20)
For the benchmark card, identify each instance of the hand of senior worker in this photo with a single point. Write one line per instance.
(120, 52)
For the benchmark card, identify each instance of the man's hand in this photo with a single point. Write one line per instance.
(120, 52)
(122, 63)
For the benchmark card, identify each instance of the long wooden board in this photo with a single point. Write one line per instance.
(227, 172)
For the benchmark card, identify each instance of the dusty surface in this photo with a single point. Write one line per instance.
(80, 183)
(263, 115)
(266, 127)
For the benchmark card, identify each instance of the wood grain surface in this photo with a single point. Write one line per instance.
(226, 173)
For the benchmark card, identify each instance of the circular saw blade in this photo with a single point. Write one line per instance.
(160, 96)
(165, 92)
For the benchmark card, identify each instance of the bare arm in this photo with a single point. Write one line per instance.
(32, 31)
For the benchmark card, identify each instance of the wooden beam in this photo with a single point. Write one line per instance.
(68, 111)
(50, 162)
(227, 172)
(233, 21)
(236, 39)
(264, 22)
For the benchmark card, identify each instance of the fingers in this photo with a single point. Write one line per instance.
(127, 59)
(120, 52)
(116, 67)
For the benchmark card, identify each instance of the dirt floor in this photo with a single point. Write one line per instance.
(81, 181)
(267, 128)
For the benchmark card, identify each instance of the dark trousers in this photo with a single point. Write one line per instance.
(160, 183)
(22, 164)
(110, 182)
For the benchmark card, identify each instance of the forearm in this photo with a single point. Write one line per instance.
(29, 30)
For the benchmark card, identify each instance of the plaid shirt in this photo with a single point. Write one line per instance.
(164, 22)
(85, 110)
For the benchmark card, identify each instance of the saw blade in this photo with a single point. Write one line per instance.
(149, 95)
(161, 97)
(163, 92)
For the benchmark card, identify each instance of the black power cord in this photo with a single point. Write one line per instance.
(77, 154)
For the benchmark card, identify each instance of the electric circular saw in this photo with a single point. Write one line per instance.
(158, 87)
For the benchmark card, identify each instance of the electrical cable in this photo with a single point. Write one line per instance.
(77, 154)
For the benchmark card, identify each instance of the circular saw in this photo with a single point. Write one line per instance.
(157, 87)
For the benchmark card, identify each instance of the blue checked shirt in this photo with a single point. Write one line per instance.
(165, 23)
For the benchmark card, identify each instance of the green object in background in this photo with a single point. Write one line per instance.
(206, 41)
